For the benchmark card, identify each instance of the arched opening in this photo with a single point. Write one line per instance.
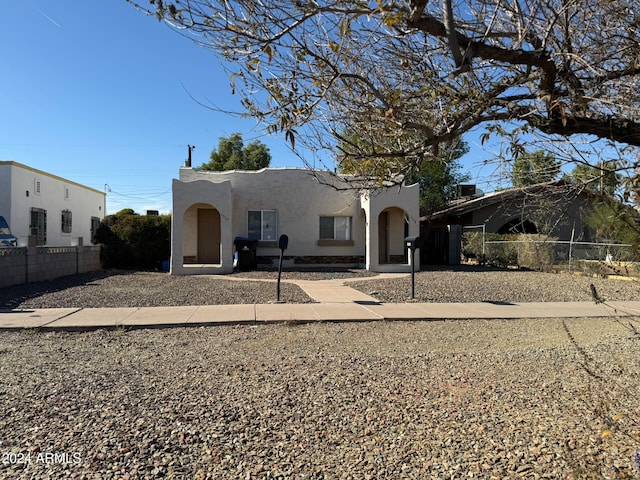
(392, 230)
(201, 235)
(518, 225)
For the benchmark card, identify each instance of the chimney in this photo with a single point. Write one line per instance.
(188, 162)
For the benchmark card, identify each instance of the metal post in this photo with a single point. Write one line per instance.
(412, 243)
(413, 273)
(279, 274)
(283, 243)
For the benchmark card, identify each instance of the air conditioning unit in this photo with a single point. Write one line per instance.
(466, 191)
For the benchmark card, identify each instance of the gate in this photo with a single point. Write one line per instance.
(440, 245)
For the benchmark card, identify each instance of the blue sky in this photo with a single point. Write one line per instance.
(98, 93)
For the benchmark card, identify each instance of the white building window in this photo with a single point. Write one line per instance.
(66, 221)
(38, 225)
(335, 228)
(263, 225)
(66, 192)
(95, 224)
(36, 186)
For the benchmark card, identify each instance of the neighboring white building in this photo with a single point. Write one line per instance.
(54, 210)
(326, 222)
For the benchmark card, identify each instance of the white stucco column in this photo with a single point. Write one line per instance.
(205, 193)
(374, 202)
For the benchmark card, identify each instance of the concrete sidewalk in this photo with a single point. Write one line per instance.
(362, 311)
(337, 302)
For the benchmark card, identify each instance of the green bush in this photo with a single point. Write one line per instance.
(536, 252)
(501, 254)
(131, 241)
(472, 245)
(492, 254)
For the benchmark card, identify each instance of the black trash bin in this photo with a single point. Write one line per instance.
(246, 250)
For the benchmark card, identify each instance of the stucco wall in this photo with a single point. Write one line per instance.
(5, 192)
(186, 196)
(300, 197)
(55, 195)
(394, 199)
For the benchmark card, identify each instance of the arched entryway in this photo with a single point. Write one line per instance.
(518, 225)
(392, 230)
(201, 235)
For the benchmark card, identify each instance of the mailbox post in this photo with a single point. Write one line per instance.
(283, 243)
(412, 243)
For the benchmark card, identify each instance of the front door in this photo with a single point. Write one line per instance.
(208, 235)
(383, 237)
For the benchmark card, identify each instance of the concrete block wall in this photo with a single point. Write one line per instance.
(36, 264)
(13, 267)
(89, 259)
(49, 263)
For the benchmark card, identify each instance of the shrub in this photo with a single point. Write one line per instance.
(132, 241)
(536, 252)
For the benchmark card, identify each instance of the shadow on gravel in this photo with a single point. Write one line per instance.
(12, 297)
(299, 272)
(467, 268)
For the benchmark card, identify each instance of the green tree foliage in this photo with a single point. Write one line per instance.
(531, 168)
(438, 175)
(131, 241)
(564, 71)
(233, 155)
(614, 222)
(600, 178)
(439, 179)
(610, 219)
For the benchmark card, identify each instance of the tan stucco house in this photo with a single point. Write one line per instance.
(327, 221)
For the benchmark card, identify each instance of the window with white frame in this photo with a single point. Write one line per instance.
(263, 225)
(66, 221)
(335, 228)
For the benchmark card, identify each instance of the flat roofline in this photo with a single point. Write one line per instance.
(50, 175)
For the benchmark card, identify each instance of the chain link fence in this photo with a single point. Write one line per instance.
(543, 253)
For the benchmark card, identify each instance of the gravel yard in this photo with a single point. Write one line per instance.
(144, 289)
(498, 399)
(486, 285)
(147, 289)
(420, 400)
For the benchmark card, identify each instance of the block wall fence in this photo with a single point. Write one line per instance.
(19, 265)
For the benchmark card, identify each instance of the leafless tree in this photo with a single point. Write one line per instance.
(404, 76)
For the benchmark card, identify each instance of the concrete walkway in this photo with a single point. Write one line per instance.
(337, 302)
